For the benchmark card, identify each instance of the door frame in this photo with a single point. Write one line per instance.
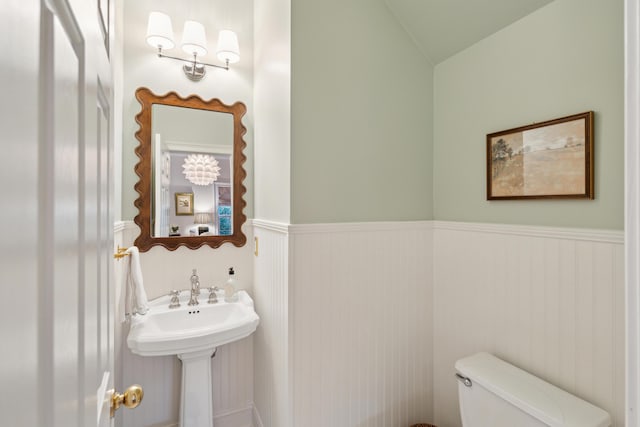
(632, 208)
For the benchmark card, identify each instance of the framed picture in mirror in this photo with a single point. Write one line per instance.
(184, 203)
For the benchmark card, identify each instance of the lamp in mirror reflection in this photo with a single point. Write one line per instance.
(194, 43)
(203, 218)
(201, 169)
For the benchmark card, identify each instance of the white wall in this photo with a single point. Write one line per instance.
(165, 270)
(548, 300)
(272, 98)
(361, 324)
(346, 324)
(232, 367)
(272, 338)
(142, 68)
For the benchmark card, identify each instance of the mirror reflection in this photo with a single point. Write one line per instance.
(193, 172)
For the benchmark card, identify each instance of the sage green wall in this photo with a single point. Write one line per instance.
(361, 116)
(563, 59)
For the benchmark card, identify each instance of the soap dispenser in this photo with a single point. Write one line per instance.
(230, 287)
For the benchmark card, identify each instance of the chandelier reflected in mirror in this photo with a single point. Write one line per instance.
(201, 169)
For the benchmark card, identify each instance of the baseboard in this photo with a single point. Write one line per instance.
(247, 417)
(238, 418)
(257, 421)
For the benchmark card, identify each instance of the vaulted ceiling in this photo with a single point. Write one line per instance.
(442, 28)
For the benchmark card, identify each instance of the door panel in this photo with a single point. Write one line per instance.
(66, 225)
(105, 224)
(20, 23)
(55, 316)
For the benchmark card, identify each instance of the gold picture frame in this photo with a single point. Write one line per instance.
(548, 160)
(184, 204)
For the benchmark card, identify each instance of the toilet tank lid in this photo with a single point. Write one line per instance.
(536, 397)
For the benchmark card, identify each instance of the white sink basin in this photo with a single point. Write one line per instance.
(192, 333)
(187, 329)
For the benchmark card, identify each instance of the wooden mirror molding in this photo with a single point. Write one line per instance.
(144, 170)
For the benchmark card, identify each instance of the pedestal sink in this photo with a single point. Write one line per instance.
(192, 333)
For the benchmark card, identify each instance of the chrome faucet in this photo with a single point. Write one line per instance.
(195, 289)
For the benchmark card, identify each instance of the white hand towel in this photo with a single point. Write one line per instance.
(135, 296)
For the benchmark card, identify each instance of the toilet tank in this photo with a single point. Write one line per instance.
(495, 393)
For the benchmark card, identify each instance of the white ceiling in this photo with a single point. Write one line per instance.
(442, 28)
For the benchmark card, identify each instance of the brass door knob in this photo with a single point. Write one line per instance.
(131, 398)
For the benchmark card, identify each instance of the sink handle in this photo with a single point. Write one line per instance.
(175, 299)
(213, 298)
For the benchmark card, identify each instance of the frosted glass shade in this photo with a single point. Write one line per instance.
(194, 40)
(228, 49)
(159, 31)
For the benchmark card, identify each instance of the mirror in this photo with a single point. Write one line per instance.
(190, 172)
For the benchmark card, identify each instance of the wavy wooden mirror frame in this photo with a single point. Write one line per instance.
(143, 169)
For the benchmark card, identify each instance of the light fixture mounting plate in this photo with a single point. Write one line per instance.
(194, 71)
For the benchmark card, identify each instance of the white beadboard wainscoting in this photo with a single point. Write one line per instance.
(550, 301)
(347, 333)
(271, 339)
(362, 323)
(232, 366)
(232, 373)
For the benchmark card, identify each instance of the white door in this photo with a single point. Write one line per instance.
(56, 219)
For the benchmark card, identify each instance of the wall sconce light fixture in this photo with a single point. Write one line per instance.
(194, 43)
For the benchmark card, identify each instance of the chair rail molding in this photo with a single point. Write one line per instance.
(582, 234)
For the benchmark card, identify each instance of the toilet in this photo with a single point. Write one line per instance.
(495, 393)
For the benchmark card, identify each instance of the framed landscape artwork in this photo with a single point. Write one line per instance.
(553, 159)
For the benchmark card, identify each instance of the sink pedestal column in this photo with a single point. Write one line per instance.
(196, 406)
